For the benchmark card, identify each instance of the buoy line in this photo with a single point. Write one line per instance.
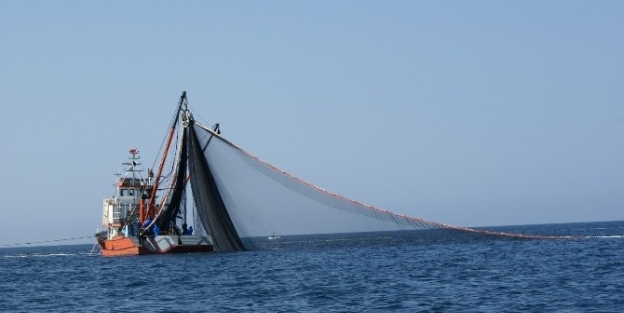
(46, 241)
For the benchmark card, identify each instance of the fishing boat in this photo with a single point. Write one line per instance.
(128, 220)
(135, 223)
(274, 237)
(234, 198)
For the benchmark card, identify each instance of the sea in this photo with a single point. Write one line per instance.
(341, 273)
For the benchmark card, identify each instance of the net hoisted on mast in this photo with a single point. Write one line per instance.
(262, 200)
(211, 208)
(238, 196)
(190, 165)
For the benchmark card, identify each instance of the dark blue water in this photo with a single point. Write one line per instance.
(339, 274)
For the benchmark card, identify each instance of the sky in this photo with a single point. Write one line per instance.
(471, 113)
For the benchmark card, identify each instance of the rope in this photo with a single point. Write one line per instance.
(46, 241)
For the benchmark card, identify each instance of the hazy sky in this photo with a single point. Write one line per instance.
(470, 113)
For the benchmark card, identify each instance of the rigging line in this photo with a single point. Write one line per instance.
(174, 120)
(46, 241)
(171, 169)
(170, 187)
(173, 165)
(166, 151)
(192, 109)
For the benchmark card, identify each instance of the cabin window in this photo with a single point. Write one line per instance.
(121, 192)
(131, 192)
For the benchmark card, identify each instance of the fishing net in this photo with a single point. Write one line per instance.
(240, 196)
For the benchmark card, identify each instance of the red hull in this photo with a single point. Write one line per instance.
(126, 247)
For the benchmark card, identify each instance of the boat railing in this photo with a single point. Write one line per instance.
(134, 182)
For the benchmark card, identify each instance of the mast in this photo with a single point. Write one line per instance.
(152, 198)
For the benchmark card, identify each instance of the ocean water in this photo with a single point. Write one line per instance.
(380, 273)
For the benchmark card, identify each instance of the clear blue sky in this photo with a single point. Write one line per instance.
(470, 113)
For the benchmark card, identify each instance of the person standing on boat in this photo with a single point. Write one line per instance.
(150, 175)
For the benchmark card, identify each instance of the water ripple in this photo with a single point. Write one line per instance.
(373, 275)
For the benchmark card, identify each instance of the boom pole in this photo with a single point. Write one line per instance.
(152, 199)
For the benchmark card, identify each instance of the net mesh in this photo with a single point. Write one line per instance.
(212, 209)
(260, 200)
